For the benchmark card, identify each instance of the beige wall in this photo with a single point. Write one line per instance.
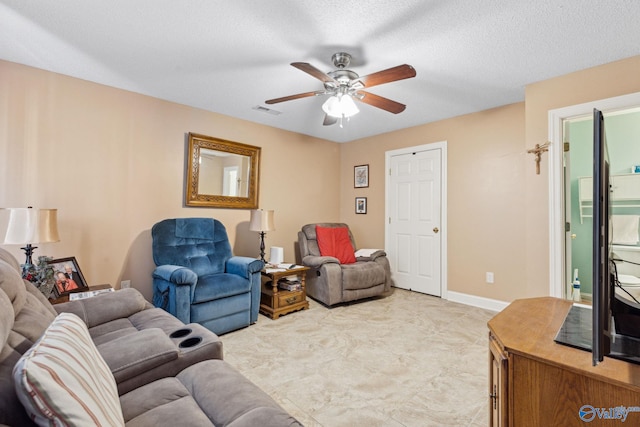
(485, 207)
(606, 81)
(112, 162)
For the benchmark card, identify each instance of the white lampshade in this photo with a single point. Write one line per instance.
(28, 226)
(349, 107)
(340, 106)
(332, 107)
(261, 220)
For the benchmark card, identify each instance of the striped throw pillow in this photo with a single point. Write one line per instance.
(63, 380)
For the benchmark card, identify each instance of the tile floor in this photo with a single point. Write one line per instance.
(406, 360)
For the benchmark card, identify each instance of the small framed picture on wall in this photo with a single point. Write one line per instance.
(361, 205)
(361, 176)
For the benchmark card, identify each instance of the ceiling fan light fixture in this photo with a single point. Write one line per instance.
(332, 107)
(349, 108)
(340, 106)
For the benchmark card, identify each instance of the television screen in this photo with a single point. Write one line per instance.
(602, 286)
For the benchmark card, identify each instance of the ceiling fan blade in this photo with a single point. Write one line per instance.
(329, 120)
(314, 72)
(389, 75)
(380, 102)
(296, 96)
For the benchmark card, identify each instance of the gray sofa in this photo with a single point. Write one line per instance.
(166, 372)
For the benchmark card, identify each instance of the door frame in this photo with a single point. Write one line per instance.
(442, 146)
(556, 182)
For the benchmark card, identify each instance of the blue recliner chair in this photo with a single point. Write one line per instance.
(197, 278)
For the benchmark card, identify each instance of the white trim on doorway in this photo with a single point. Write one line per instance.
(556, 190)
(442, 145)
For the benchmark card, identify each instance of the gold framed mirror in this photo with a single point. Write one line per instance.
(222, 174)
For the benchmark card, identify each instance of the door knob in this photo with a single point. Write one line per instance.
(573, 236)
(435, 230)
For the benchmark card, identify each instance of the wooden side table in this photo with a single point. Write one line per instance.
(274, 302)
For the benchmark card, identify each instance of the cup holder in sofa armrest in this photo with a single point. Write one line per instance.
(180, 333)
(190, 342)
(195, 342)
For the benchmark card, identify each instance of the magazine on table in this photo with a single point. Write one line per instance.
(278, 268)
(88, 294)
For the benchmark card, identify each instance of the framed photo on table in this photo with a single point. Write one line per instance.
(361, 176)
(68, 276)
(361, 205)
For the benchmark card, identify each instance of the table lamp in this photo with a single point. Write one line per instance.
(261, 221)
(28, 226)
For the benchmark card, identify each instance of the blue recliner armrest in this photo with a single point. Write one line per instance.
(176, 274)
(249, 268)
(243, 266)
(173, 289)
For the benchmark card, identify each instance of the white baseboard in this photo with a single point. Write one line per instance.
(476, 301)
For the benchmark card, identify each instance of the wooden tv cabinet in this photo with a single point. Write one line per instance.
(533, 381)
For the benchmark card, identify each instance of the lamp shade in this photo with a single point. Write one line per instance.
(28, 225)
(332, 107)
(349, 107)
(261, 220)
(340, 106)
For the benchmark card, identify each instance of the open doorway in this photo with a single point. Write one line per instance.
(570, 186)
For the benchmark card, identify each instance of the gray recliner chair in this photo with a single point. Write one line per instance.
(330, 282)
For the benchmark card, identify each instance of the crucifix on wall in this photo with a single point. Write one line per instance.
(538, 150)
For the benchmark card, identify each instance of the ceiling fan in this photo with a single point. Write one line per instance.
(344, 86)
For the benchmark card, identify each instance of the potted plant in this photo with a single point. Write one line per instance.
(41, 275)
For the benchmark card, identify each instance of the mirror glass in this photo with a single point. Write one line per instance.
(221, 173)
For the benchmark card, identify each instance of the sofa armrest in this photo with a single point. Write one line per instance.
(377, 254)
(133, 354)
(176, 274)
(194, 343)
(317, 261)
(106, 307)
(243, 266)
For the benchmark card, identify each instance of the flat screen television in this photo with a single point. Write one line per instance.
(611, 327)
(602, 284)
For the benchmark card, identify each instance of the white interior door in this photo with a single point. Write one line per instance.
(414, 198)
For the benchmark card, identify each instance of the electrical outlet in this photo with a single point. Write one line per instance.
(489, 277)
(125, 284)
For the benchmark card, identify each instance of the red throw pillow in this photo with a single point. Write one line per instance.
(335, 242)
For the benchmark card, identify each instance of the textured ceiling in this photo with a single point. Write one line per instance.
(231, 56)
